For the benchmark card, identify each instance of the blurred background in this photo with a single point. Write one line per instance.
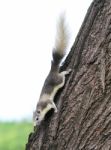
(27, 31)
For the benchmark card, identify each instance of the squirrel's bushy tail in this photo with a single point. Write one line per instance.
(61, 42)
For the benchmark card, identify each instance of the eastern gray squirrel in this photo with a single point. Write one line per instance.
(55, 79)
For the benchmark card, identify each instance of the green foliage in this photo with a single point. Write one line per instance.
(13, 135)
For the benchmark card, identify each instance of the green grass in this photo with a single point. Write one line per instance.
(14, 135)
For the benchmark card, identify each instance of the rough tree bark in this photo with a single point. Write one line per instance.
(83, 121)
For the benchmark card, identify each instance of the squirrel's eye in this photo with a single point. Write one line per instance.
(38, 111)
(37, 118)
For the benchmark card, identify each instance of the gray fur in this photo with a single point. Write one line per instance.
(55, 79)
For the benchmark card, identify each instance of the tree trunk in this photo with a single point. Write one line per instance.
(83, 121)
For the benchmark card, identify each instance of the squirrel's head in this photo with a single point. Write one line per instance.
(41, 110)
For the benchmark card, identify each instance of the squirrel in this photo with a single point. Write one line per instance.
(55, 79)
